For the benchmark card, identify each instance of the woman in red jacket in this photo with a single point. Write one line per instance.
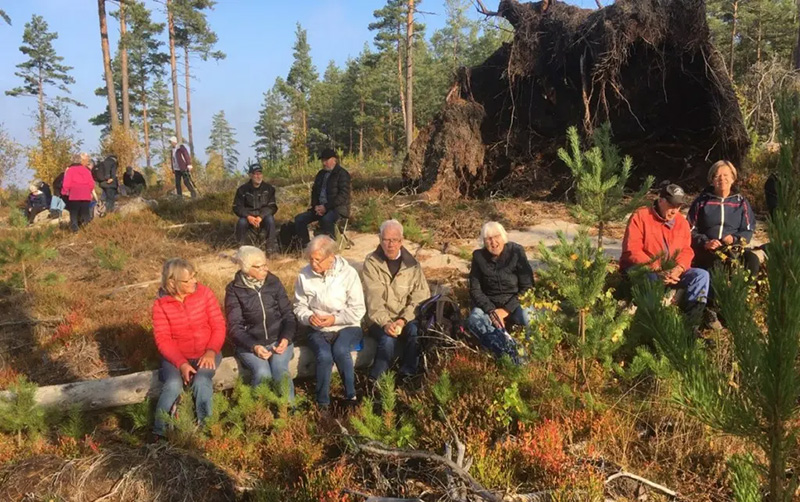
(79, 187)
(189, 331)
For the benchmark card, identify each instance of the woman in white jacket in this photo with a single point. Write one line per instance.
(330, 299)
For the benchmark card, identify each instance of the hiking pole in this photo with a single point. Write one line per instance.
(191, 180)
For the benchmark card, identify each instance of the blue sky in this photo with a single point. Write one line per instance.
(257, 37)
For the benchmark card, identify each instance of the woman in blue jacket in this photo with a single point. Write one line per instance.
(260, 320)
(722, 222)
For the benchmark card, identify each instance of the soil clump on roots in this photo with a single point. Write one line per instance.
(647, 66)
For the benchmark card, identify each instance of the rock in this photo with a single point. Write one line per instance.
(137, 205)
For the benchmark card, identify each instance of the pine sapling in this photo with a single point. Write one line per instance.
(762, 406)
(386, 427)
(600, 177)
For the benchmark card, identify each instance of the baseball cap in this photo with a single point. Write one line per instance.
(673, 194)
(254, 167)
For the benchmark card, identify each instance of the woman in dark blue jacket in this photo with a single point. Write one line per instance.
(260, 320)
(722, 222)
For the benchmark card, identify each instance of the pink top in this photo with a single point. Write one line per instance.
(78, 183)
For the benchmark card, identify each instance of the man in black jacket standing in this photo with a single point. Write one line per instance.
(255, 206)
(330, 198)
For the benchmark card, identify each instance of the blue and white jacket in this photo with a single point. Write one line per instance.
(712, 217)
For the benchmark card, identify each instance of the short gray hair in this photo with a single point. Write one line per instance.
(716, 166)
(247, 255)
(170, 271)
(493, 226)
(391, 224)
(321, 243)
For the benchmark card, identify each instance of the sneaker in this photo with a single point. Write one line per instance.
(710, 320)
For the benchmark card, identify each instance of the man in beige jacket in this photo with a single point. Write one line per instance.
(394, 285)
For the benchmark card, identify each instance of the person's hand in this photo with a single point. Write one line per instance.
(252, 220)
(320, 210)
(673, 276)
(712, 244)
(187, 371)
(498, 317)
(321, 320)
(728, 240)
(110, 180)
(392, 329)
(258, 220)
(189, 167)
(281, 347)
(207, 361)
(261, 352)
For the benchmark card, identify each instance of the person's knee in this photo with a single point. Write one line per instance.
(324, 356)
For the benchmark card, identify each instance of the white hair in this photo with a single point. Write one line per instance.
(493, 227)
(247, 255)
(173, 139)
(391, 224)
(322, 243)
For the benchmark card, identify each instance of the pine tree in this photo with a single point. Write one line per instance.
(759, 402)
(109, 76)
(41, 70)
(600, 178)
(194, 36)
(221, 141)
(161, 115)
(5, 17)
(272, 128)
(326, 126)
(299, 82)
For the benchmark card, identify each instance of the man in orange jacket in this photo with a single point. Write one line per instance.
(658, 237)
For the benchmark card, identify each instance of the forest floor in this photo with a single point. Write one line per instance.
(93, 291)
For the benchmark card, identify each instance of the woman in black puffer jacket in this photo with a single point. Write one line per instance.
(260, 320)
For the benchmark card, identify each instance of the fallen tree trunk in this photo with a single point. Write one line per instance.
(136, 387)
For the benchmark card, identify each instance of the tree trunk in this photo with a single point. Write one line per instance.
(42, 129)
(145, 125)
(188, 99)
(600, 229)
(176, 102)
(777, 461)
(410, 75)
(400, 81)
(759, 35)
(797, 46)
(361, 132)
(126, 109)
(733, 34)
(112, 99)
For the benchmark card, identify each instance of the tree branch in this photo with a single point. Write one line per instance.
(483, 10)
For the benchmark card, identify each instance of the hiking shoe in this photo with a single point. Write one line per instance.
(710, 320)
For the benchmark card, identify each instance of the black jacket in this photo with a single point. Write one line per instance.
(712, 217)
(107, 170)
(58, 182)
(338, 190)
(131, 180)
(252, 201)
(497, 283)
(258, 317)
(771, 191)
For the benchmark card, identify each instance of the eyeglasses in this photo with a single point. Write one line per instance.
(321, 260)
(391, 241)
(263, 266)
(190, 279)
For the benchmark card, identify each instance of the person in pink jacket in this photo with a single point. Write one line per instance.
(79, 187)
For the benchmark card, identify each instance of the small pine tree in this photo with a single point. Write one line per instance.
(386, 427)
(578, 271)
(763, 405)
(20, 413)
(600, 178)
(28, 248)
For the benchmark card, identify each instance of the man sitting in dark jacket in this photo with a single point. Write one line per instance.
(330, 198)
(255, 206)
(133, 181)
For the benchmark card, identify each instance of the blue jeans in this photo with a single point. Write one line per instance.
(335, 351)
(495, 339)
(276, 367)
(327, 224)
(202, 390)
(695, 280)
(266, 229)
(385, 351)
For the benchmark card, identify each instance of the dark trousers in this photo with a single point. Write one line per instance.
(707, 259)
(327, 224)
(386, 347)
(187, 180)
(265, 230)
(33, 211)
(110, 191)
(332, 348)
(79, 213)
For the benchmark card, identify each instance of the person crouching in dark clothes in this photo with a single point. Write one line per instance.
(133, 181)
(255, 205)
(36, 203)
(722, 222)
(330, 198)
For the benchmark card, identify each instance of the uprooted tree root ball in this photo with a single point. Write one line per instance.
(647, 66)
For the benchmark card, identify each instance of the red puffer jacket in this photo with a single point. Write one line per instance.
(185, 330)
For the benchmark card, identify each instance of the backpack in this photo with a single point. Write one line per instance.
(288, 240)
(439, 313)
(99, 171)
